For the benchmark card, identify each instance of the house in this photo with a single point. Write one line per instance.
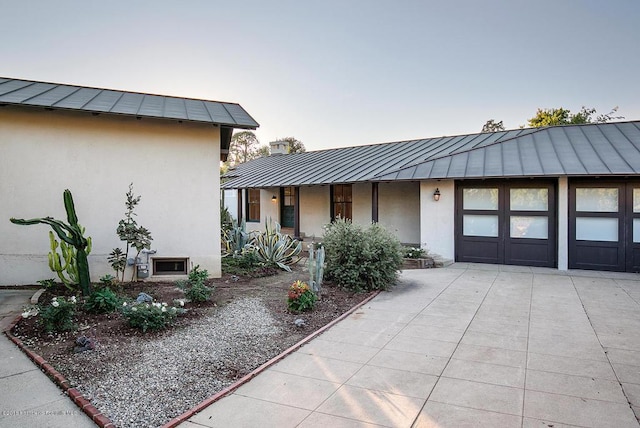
(565, 197)
(96, 142)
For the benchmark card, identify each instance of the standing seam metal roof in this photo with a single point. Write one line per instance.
(589, 149)
(69, 97)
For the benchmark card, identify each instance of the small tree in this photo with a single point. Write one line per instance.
(135, 236)
(492, 126)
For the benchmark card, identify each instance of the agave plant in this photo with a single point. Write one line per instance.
(235, 238)
(274, 248)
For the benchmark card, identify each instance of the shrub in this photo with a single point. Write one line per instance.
(149, 316)
(300, 297)
(361, 259)
(241, 264)
(413, 253)
(198, 292)
(58, 314)
(108, 280)
(194, 287)
(102, 301)
(47, 283)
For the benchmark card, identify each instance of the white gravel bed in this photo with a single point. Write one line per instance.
(175, 372)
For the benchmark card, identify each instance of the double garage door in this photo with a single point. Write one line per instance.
(515, 222)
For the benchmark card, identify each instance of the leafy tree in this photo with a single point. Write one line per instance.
(263, 151)
(562, 116)
(244, 147)
(295, 145)
(492, 126)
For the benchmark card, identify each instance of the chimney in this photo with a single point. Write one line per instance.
(279, 148)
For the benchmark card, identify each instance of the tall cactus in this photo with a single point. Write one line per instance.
(316, 267)
(72, 234)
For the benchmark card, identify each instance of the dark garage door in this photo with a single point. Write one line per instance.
(506, 222)
(604, 225)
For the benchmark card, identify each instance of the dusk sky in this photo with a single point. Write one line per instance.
(341, 73)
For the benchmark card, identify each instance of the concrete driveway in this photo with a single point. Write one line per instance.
(468, 345)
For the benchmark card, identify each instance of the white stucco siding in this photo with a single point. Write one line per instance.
(563, 223)
(437, 219)
(399, 210)
(174, 167)
(314, 210)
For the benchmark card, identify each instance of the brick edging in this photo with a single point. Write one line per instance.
(206, 403)
(85, 405)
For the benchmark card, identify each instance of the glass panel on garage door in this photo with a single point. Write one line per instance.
(510, 222)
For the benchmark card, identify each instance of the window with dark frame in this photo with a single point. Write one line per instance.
(253, 205)
(173, 266)
(342, 201)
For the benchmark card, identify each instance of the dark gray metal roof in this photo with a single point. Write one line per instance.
(600, 149)
(95, 100)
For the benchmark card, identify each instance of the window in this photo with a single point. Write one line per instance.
(341, 201)
(169, 266)
(253, 204)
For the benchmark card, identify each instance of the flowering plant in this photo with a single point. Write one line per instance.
(300, 297)
(413, 253)
(150, 316)
(58, 314)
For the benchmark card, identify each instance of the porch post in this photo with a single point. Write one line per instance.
(374, 202)
(296, 212)
(239, 206)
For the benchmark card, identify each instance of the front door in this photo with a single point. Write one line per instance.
(287, 212)
(506, 222)
(604, 225)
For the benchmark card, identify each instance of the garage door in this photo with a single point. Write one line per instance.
(506, 222)
(604, 225)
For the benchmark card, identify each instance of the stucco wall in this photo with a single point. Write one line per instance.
(361, 203)
(314, 210)
(174, 167)
(399, 210)
(437, 218)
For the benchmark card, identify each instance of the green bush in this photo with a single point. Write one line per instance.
(194, 287)
(241, 264)
(361, 259)
(102, 301)
(300, 297)
(149, 316)
(198, 292)
(58, 314)
(196, 275)
(413, 253)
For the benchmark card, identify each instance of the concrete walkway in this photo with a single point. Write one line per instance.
(27, 397)
(464, 346)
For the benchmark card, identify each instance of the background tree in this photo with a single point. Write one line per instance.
(492, 126)
(263, 151)
(244, 147)
(295, 145)
(562, 116)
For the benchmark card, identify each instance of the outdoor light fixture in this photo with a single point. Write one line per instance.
(436, 195)
(273, 198)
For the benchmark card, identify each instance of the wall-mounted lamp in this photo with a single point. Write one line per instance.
(436, 195)
(273, 198)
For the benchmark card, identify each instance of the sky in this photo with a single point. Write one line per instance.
(336, 73)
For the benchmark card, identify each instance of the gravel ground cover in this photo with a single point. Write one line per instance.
(145, 380)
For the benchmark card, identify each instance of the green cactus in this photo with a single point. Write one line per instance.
(67, 271)
(316, 266)
(71, 234)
